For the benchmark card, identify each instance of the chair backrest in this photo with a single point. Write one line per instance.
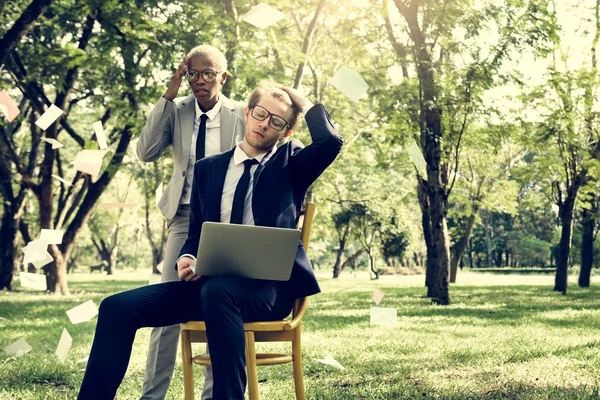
(307, 216)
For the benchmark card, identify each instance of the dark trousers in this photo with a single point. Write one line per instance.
(224, 303)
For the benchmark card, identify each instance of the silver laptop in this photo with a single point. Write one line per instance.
(256, 252)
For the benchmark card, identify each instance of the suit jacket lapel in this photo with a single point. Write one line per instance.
(217, 181)
(187, 113)
(229, 121)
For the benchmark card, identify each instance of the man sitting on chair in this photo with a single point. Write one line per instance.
(255, 183)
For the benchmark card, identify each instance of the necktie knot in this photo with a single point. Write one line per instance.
(201, 138)
(203, 117)
(249, 163)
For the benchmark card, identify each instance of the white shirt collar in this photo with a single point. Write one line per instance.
(239, 156)
(212, 113)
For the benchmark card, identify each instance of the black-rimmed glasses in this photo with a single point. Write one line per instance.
(276, 122)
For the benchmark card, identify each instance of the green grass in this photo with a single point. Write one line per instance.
(503, 337)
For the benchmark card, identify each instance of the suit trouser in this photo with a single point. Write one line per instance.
(223, 302)
(162, 352)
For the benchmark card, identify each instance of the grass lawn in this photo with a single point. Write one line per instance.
(503, 337)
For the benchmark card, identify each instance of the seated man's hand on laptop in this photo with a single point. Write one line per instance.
(184, 271)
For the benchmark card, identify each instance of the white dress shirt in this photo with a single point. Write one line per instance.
(212, 144)
(235, 169)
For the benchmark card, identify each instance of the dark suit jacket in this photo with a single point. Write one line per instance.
(279, 189)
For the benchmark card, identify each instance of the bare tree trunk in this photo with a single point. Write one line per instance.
(8, 233)
(587, 247)
(426, 225)
(306, 45)
(372, 264)
(337, 267)
(564, 246)
(459, 250)
(352, 259)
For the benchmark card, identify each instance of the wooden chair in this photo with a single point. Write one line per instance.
(271, 331)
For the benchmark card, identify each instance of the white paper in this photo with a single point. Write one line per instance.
(81, 364)
(158, 193)
(53, 236)
(416, 156)
(118, 205)
(350, 83)
(90, 162)
(83, 312)
(100, 135)
(64, 345)
(33, 281)
(154, 279)
(18, 348)
(263, 15)
(48, 118)
(58, 178)
(377, 296)
(35, 250)
(160, 266)
(44, 261)
(328, 360)
(8, 107)
(383, 316)
(55, 143)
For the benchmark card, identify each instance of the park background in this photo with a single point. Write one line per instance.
(467, 188)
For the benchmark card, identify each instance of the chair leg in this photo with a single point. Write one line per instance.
(188, 373)
(297, 364)
(251, 366)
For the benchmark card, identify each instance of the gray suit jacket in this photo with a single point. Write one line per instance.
(170, 124)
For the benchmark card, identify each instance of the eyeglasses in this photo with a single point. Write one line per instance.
(208, 75)
(276, 122)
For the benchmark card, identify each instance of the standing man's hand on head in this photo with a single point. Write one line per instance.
(175, 83)
(184, 271)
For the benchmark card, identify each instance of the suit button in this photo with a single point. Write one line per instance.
(183, 173)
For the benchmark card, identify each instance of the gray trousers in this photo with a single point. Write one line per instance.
(163, 341)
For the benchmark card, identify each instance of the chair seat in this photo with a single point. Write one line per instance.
(283, 325)
(261, 359)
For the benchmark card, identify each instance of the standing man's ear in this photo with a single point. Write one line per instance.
(223, 78)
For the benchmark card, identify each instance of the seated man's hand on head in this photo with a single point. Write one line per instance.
(184, 272)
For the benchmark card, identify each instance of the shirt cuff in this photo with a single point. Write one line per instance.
(186, 255)
(306, 108)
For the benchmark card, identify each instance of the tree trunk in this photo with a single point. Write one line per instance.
(8, 233)
(459, 249)
(352, 259)
(372, 264)
(564, 246)
(337, 267)
(587, 248)
(426, 225)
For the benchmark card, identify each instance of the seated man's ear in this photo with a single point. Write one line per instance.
(286, 135)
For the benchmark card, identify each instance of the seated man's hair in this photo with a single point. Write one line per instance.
(269, 88)
(212, 53)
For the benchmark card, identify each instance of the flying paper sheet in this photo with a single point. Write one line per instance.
(328, 360)
(18, 348)
(377, 296)
(8, 107)
(58, 178)
(49, 117)
(350, 83)
(55, 143)
(118, 205)
(154, 279)
(33, 281)
(53, 236)
(83, 312)
(414, 152)
(263, 15)
(160, 266)
(89, 162)
(100, 135)
(35, 250)
(159, 193)
(44, 261)
(81, 364)
(64, 345)
(383, 316)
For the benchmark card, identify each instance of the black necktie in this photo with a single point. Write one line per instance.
(201, 139)
(239, 197)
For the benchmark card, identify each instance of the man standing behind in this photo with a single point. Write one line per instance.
(201, 124)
